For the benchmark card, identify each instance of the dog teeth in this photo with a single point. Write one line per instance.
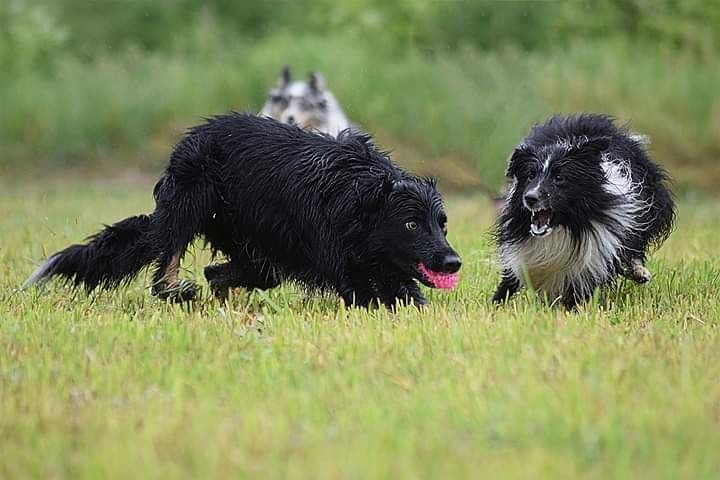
(538, 230)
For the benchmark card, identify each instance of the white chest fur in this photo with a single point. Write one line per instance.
(555, 263)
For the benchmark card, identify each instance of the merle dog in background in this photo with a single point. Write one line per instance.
(282, 204)
(584, 205)
(310, 105)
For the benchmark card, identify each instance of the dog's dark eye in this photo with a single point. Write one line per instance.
(278, 99)
(559, 178)
(411, 225)
(531, 174)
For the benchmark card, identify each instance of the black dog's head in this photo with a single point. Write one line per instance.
(557, 184)
(411, 230)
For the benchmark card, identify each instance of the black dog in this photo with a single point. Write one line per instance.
(282, 204)
(584, 205)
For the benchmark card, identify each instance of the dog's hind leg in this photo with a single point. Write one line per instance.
(509, 285)
(637, 271)
(247, 274)
(185, 199)
(176, 230)
(167, 285)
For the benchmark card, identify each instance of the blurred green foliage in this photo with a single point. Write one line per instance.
(445, 84)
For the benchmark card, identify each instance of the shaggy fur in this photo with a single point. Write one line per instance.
(585, 203)
(282, 204)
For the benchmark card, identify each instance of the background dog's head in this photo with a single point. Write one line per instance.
(411, 232)
(307, 104)
(558, 184)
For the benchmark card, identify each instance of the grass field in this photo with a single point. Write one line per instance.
(281, 385)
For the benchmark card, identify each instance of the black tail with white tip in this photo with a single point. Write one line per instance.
(112, 256)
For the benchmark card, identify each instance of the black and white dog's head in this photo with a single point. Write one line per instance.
(410, 233)
(557, 184)
(309, 104)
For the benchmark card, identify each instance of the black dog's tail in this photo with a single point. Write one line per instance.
(110, 257)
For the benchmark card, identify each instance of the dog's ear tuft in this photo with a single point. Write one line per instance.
(372, 195)
(285, 77)
(316, 82)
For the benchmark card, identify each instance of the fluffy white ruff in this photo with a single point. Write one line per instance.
(555, 263)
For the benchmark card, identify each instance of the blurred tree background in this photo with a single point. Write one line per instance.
(450, 86)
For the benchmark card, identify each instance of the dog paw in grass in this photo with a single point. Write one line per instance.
(182, 291)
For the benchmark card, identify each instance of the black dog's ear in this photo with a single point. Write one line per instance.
(285, 77)
(517, 157)
(374, 193)
(316, 82)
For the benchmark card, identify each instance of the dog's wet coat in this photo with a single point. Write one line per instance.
(354, 223)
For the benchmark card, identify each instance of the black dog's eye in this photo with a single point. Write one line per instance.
(531, 174)
(559, 178)
(411, 226)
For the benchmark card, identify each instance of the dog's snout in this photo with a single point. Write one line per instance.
(451, 263)
(532, 198)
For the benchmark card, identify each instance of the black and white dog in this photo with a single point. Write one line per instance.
(584, 204)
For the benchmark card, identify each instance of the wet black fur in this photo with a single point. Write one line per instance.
(573, 186)
(281, 204)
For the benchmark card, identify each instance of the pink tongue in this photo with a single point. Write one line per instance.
(446, 281)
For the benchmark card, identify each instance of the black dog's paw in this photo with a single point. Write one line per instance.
(182, 291)
(215, 271)
(220, 290)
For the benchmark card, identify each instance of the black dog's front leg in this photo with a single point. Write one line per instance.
(356, 295)
(406, 293)
(509, 285)
(250, 275)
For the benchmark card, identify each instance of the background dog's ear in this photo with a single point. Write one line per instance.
(285, 77)
(316, 82)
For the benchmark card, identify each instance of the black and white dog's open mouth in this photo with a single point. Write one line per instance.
(540, 222)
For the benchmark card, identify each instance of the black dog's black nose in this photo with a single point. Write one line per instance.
(291, 119)
(532, 198)
(451, 264)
